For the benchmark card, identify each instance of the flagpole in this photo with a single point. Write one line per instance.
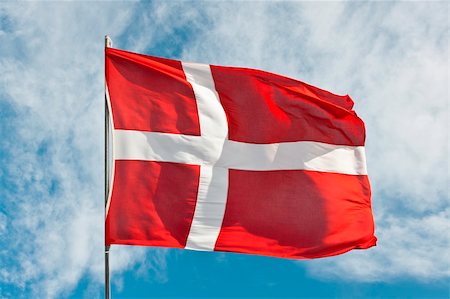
(108, 44)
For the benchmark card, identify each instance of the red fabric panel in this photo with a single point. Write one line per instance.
(262, 107)
(150, 94)
(296, 214)
(152, 203)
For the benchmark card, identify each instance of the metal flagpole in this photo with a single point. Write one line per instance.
(108, 44)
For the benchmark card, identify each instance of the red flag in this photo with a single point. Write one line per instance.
(233, 159)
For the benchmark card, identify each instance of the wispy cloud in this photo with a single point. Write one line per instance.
(391, 58)
(51, 57)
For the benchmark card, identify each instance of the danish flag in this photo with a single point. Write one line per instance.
(233, 159)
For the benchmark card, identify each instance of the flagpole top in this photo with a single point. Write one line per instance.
(108, 41)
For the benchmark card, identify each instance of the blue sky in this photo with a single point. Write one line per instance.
(392, 58)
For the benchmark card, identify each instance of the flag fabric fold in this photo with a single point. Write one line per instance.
(233, 159)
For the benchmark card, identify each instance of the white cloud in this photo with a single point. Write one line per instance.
(3, 223)
(391, 58)
(51, 57)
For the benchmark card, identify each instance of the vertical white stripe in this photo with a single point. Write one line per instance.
(213, 183)
(212, 117)
(210, 208)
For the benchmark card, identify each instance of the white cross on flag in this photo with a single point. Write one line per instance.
(233, 159)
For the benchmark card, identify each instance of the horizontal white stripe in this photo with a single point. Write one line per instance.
(153, 146)
(301, 155)
(305, 155)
